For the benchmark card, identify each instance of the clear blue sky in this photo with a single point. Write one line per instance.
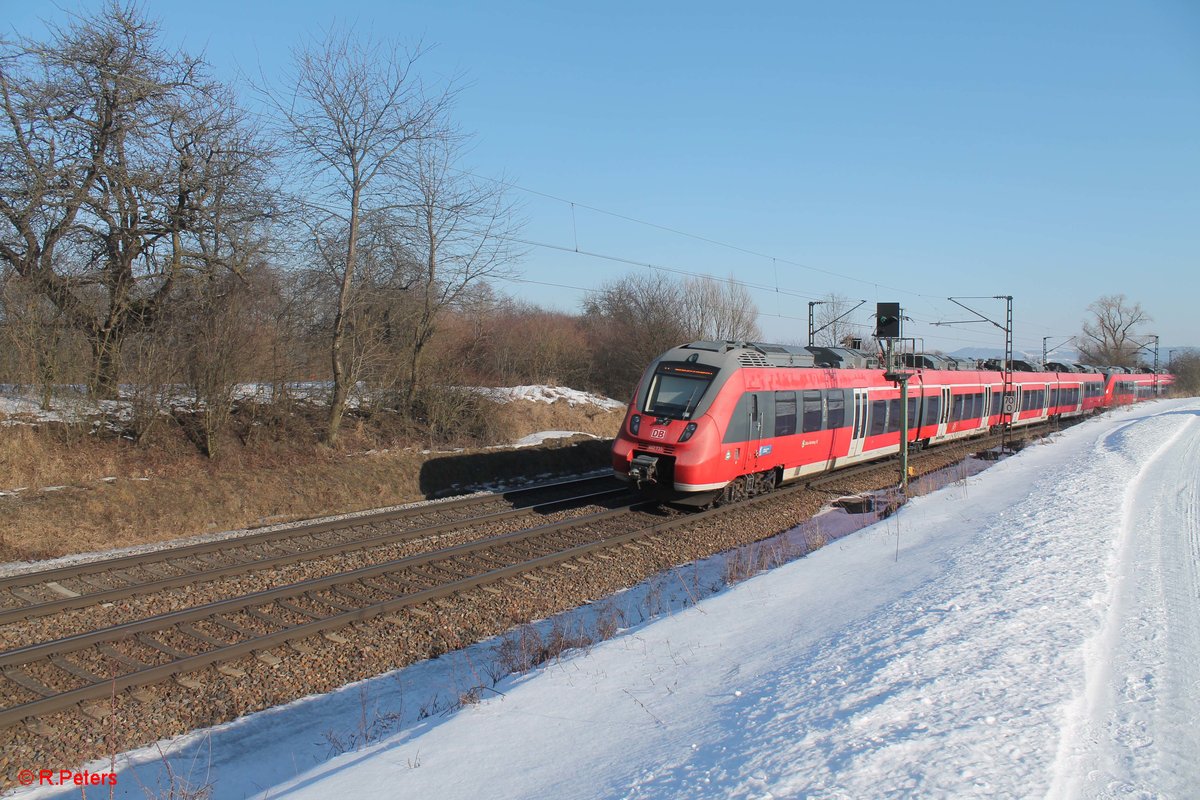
(899, 151)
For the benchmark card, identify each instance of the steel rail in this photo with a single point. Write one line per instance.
(112, 633)
(34, 578)
(83, 600)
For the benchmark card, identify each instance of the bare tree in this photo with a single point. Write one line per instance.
(508, 342)
(461, 234)
(718, 310)
(630, 321)
(351, 109)
(833, 327)
(1110, 336)
(1186, 368)
(116, 158)
(32, 346)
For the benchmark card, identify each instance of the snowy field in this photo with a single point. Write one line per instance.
(1029, 632)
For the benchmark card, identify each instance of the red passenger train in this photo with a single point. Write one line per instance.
(732, 419)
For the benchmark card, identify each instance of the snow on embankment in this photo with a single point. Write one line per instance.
(549, 394)
(1132, 731)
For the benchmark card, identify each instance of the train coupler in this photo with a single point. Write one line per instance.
(644, 470)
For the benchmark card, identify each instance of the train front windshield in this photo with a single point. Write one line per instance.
(677, 389)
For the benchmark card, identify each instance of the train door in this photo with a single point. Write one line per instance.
(944, 412)
(758, 402)
(1018, 403)
(987, 407)
(858, 430)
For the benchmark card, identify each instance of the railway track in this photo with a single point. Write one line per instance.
(44, 677)
(36, 594)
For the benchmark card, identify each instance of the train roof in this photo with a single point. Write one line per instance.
(763, 354)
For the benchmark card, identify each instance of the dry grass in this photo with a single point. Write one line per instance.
(523, 417)
(118, 494)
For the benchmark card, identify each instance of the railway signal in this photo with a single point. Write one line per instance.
(888, 319)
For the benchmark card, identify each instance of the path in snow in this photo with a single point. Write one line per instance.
(1133, 731)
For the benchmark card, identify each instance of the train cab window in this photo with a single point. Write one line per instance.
(835, 404)
(878, 417)
(812, 411)
(676, 389)
(785, 413)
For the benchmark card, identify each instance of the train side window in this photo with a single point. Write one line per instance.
(739, 423)
(878, 417)
(893, 415)
(835, 403)
(933, 408)
(956, 412)
(785, 413)
(912, 412)
(812, 410)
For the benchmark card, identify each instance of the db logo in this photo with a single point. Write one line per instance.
(658, 433)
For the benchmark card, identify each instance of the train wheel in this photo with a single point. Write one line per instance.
(735, 492)
(760, 483)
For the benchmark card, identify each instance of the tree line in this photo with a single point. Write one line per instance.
(155, 234)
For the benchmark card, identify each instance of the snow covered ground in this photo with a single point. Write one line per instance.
(1032, 631)
(71, 404)
(549, 394)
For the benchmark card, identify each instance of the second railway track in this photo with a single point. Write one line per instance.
(35, 594)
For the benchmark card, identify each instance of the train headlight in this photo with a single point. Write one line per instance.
(687, 432)
(635, 424)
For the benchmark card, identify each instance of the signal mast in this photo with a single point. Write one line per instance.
(888, 331)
